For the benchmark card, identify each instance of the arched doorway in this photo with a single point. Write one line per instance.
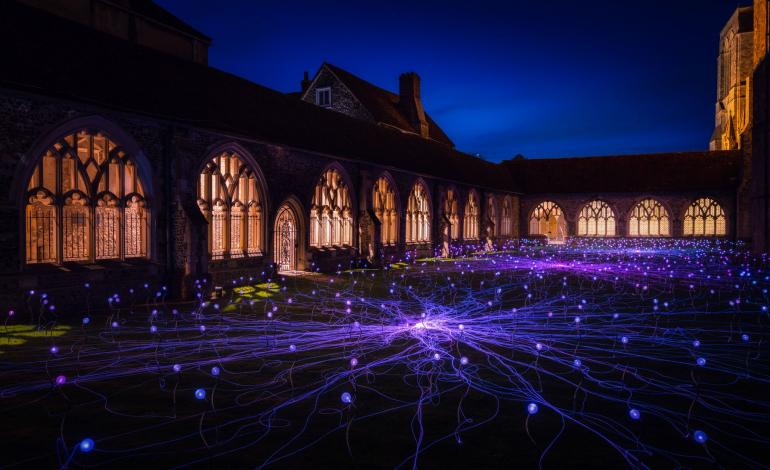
(286, 239)
(548, 219)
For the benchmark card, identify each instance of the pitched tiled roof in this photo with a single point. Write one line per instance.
(66, 60)
(384, 105)
(683, 171)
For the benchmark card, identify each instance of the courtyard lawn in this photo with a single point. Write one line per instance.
(601, 354)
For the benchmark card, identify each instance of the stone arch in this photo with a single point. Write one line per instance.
(293, 204)
(419, 213)
(236, 214)
(548, 218)
(332, 209)
(664, 221)
(606, 221)
(102, 210)
(389, 232)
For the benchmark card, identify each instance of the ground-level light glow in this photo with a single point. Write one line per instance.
(654, 349)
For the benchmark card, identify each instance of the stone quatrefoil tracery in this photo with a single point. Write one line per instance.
(85, 202)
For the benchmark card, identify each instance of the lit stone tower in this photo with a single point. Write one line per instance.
(734, 66)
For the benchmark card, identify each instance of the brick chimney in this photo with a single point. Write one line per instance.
(411, 103)
(305, 83)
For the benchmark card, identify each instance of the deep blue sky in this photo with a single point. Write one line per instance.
(541, 78)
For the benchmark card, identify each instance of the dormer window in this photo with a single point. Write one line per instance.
(323, 97)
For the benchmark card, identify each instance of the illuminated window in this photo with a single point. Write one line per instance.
(451, 213)
(596, 220)
(418, 215)
(648, 219)
(471, 217)
(229, 196)
(384, 206)
(323, 97)
(331, 219)
(705, 218)
(548, 219)
(506, 221)
(102, 213)
(492, 216)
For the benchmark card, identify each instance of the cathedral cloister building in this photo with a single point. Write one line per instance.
(125, 158)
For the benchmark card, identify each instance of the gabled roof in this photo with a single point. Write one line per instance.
(140, 80)
(383, 105)
(680, 171)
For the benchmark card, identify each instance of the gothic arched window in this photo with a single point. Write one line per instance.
(85, 202)
(492, 215)
(331, 214)
(648, 219)
(548, 219)
(384, 206)
(596, 220)
(451, 213)
(229, 195)
(705, 218)
(471, 217)
(418, 215)
(506, 221)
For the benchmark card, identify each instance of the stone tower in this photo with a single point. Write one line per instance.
(734, 67)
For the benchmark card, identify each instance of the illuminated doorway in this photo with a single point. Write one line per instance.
(286, 239)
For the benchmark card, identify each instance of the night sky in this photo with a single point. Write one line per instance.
(539, 78)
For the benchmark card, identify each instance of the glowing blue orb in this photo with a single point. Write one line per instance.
(577, 362)
(346, 398)
(54, 350)
(701, 361)
(634, 413)
(532, 408)
(700, 437)
(696, 344)
(215, 370)
(177, 367)
(292, 348)
(745, 337)
(436, 356)
(353, 362)
(86, 445)
(153, 329)
(624, 339)
(463, 360)
(86, 320)
(200, 394)
(114, 324)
